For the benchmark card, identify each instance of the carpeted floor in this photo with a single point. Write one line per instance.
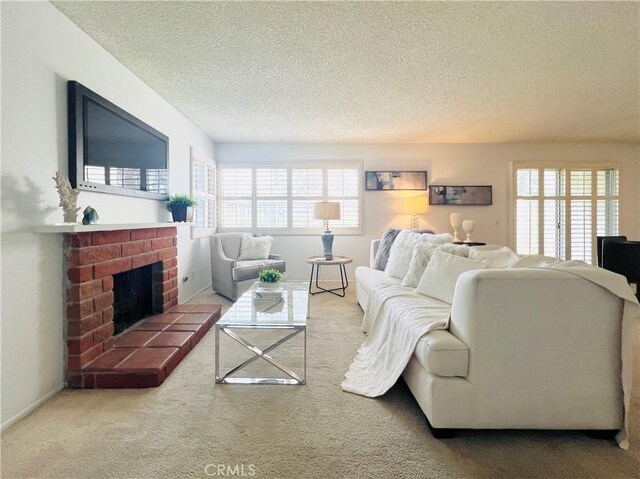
(189, 427)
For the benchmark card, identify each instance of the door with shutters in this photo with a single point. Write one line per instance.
(560, 209)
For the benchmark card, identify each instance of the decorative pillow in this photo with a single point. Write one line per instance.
(441, 238)
(384, 248)
(254, 247)
(401, 253)
(497, 256)
(461, 250)
(422, 252)
(440, 276)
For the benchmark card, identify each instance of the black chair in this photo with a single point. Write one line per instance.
(601, 239)
(623, 257)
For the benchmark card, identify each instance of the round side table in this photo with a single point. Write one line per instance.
(341, 262)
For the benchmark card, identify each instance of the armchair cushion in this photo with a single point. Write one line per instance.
(254, 247)
(250, 269)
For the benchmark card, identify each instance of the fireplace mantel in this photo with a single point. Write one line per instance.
(80, 228)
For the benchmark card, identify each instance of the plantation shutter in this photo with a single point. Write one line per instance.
(236, 191)
(343, 186)
(203, 189)
(271, 197)
(306, 189)
(560, 210)
(280, 198)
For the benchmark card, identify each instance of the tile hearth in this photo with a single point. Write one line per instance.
(146, 354)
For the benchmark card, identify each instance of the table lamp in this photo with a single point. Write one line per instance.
(326, 211)
(414, 206)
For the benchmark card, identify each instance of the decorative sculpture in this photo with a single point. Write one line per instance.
(90, 216)
(68, 197)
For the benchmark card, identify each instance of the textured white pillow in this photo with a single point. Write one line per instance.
(254, 247)
(440, 276)
(400, 254)
(441, 238)
(422, 252)
(456, 249)
(497, 256)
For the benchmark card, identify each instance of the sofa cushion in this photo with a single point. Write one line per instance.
(401, 253)
(440, 276)
(369, 278)
(442, 354)
(422, 252)
(384, 248)
(250, 269)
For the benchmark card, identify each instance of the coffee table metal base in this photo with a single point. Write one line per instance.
(294, 378)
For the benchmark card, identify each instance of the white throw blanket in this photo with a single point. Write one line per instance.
(399, 317)
(615, 284)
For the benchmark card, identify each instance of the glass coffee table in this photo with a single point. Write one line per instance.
(248, 313)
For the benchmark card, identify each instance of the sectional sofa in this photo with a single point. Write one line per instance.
(526, 349)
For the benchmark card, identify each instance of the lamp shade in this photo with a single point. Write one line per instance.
(414, 205)
(326, 210)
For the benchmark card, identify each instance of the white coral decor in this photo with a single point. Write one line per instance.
(68, 197)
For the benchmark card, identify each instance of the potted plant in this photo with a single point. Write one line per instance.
(181, 207)
(270, 278)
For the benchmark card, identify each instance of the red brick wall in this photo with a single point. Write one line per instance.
(91, 261)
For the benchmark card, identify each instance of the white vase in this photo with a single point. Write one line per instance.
(456, 222)
(468, 226)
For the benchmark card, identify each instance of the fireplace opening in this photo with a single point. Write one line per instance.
(132, 297)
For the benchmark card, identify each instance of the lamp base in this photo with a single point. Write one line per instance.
(414, 224)
(327, 244)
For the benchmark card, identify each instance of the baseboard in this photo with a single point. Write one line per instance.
(196, 294)
(26, 411)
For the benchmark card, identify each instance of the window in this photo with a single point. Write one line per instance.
(203, 189)
(279, 199)
(561, 209)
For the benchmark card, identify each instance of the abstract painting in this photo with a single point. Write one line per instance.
(460, 195)
(395, 180)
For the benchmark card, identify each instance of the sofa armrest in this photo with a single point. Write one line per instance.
(373, 250)
(536, 338)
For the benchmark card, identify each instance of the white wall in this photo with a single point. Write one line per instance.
(480, 164)
(41, 50)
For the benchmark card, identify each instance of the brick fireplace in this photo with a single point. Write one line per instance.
(92, 258)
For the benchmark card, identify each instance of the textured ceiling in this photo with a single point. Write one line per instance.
(406, 72)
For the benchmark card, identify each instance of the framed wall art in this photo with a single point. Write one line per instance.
(395, 180)
(460, 195)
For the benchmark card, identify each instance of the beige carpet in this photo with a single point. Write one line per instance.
(313, 431)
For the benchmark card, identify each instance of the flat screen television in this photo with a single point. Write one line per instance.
(111, 151)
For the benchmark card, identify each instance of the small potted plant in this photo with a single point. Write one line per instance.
(181, 207)
(270, 278)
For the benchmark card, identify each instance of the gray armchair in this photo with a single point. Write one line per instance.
(231, 277)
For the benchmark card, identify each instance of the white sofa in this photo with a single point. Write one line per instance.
(526, 349)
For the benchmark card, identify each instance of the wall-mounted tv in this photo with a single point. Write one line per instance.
(111, 151)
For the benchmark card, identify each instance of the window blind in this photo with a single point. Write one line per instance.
(203, 189)
(280, 198)
(560, 209)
